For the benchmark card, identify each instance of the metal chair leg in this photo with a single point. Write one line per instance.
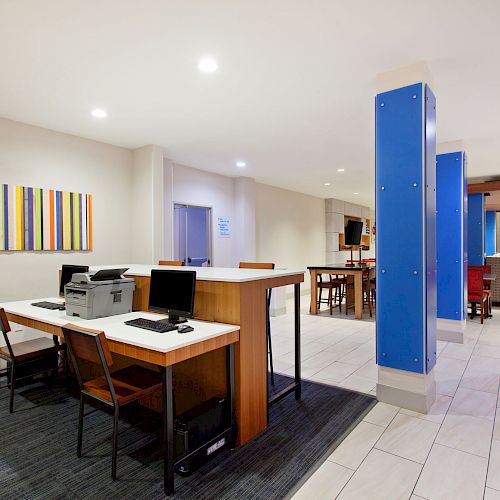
(115, 443)
(11, 402)
(80, 428)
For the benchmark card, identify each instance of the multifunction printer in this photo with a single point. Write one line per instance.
(99, 294)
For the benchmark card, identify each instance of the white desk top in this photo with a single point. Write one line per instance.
(231, 274)
(115, 329)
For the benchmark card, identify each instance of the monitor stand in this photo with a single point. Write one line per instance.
(175, 319)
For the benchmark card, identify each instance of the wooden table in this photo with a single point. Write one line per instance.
(238, 297)
(163, 350)
(355, 270)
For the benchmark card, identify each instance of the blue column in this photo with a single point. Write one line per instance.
(491, 232)
(475, 229)
(451, 204)
(406, 238)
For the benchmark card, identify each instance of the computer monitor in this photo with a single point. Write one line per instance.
(67, 272)
(353, 232)
(172, 292)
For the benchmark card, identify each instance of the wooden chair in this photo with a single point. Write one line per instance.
(171, 263)
(264, 265)
(476, 294)
(89, 347)
(335, 286)
(369, 289)
(38, 350)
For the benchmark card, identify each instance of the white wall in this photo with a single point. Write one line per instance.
(196, 187)
(36, 157)
(290, 228)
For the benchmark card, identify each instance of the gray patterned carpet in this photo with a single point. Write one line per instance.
(38, 449)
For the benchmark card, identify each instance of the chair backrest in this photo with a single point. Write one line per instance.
(485, 269)
(89, 347)
(5, 327)
(171, 263)
(256, 265)
(475, 280)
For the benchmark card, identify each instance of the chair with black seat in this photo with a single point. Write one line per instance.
(264, 265)
(21, 354)
(114, 390)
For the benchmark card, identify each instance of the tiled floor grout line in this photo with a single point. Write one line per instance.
(444, 418)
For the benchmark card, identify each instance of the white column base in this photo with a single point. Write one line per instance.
(413, 391)
(451, 330)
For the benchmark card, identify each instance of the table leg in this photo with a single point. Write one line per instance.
(168, 431)
(298, 381)
(230, 390)
(313, 309)
(358, 295)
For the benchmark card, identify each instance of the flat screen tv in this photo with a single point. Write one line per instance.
(353, 232)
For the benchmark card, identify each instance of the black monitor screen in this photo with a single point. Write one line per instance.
(67, 272)
(353, 232)
(172, 292)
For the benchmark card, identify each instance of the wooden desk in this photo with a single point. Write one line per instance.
(238, 297)
(356, 271)
(164, 350)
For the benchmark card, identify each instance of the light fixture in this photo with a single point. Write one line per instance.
(241, 164)
(327, 184)
(340, 169)
(355, 193)
(99, 113)
(207, 65)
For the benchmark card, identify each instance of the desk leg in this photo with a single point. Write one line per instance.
(230, 390)
(313, 308)
(298, 382)
(358, 295)
(168, 431)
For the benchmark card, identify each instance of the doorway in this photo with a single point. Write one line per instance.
(192, 235)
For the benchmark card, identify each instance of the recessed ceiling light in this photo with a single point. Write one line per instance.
(207, 65)
(241, 164)
(99, 113)
(340, 169)
(355, 193)
(327, 184)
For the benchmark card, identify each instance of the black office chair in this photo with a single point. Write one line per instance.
(264, 265)
(41, 354)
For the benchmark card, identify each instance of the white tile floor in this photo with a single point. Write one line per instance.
(451, 453)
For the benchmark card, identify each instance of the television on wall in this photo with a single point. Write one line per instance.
(353, 232)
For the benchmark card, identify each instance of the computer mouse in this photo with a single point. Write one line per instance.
(184, 328)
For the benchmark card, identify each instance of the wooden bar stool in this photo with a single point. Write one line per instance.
(41, 350)
(115, 389)
(264, 265)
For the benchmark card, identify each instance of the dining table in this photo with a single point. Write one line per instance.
(354, 270)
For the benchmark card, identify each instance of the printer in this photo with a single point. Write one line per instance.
(99, 294)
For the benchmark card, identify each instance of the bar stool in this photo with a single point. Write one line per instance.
(264, 265)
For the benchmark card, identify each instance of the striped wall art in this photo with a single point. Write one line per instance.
(34, 219)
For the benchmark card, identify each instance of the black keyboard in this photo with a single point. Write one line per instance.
(154, 326)
(50, 305)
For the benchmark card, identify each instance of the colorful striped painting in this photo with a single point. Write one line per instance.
(37, 219)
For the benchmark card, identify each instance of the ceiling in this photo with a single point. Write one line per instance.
(293, 95)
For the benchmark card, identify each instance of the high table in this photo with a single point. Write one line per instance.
(238, 297)
(164, 350)
(355, 270)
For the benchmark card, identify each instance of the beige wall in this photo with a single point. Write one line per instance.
(37, 157)
(290, 228)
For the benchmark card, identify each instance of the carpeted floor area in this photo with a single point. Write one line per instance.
(38, 449)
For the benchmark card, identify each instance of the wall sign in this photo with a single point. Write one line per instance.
(34, 219)
(224, 227)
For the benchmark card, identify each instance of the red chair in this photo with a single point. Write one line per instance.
(476, 294)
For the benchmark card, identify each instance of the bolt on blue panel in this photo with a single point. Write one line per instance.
(475, 229)
(450, 235)
(490, 232)
(405, 213)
